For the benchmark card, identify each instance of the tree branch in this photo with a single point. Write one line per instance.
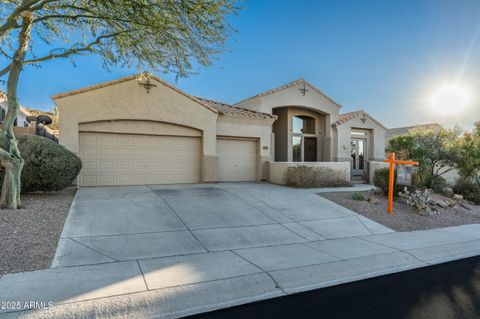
(5, 70)
(11, 22)
(72, 51)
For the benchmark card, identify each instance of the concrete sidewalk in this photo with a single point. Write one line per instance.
(181, 266)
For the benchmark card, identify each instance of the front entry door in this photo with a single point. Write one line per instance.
(310, 149)
(358, 151)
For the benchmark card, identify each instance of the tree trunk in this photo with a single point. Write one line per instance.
(10, 157)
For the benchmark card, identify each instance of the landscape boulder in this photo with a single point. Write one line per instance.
(448, 192)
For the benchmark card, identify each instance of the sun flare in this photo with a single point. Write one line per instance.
(450, 99)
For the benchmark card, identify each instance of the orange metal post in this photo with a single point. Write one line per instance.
(390, 182)
(391, 177)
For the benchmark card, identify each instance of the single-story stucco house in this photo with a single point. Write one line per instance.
(141, 130)
(397, 131)
(21, 120)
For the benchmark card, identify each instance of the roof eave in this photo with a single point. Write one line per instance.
(287, 86)
(362, 112)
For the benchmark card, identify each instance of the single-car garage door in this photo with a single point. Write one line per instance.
(237, 160)
(128, 159)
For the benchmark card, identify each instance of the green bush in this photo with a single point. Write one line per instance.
(311, 177)
(469, 190)
(438, 184)
(358, 196)
(380, 179)
(48, 165)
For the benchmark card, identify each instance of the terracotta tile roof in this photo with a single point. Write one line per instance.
(227, 109)
(286, 86)
(345, 117)
(125, 79)
(392, 132)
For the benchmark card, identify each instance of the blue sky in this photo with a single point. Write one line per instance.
(386, 57)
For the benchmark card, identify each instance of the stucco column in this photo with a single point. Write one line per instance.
(209, 157)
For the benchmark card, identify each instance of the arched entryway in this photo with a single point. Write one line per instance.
(299, 135)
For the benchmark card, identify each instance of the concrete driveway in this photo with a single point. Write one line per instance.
(171, 251)
(110, 224)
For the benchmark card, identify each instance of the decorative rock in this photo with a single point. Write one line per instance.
(432, 210)
(451, 203)
(374, 200)
(448, 192)
(439, 203)
(457, 197)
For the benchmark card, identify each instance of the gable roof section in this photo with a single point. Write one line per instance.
(227, 109)
(287, 86)
(345, 117)
(392, 132)
(130, 78)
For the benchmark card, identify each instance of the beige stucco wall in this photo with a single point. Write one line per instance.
(130, 101)
(280, 127)
(138, 127)
(314, 101)
(126, 107)
(242, 127)
(292, 96)
(277, 169)
(373, 166)
(375, 139)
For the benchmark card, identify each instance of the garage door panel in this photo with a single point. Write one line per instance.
(138, 159)
(237, 160)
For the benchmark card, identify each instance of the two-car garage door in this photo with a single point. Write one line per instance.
(128, 159)
(134, 159)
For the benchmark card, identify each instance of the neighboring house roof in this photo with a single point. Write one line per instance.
(286, 86)
(125, 79)
(227, 109)
(345, 117)
(392, 132)
(3, 99)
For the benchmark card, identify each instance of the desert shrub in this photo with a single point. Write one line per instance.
(380, 179)
(438, 184)
(311, 177)
(469, 190)
(419, 200)
(358, 196)
(435, 149)
(48, 165)
(468, 163)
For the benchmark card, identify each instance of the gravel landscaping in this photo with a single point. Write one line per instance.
(29, 236)
(404, 218)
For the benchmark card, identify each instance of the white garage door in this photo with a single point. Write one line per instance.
(127, 159)
(237, 160)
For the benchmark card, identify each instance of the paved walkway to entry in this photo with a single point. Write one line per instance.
(169, 251)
